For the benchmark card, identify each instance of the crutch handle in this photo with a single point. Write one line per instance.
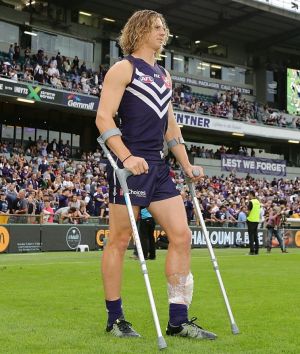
(196, 172)
(122, 173)
(189, 182)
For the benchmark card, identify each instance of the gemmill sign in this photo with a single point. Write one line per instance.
(44, 94)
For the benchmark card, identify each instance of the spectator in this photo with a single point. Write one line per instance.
(253, 219)
(11, 197)
(85, 215)
(3, 204)
(72, 216)
(21, 207)
(242, 218)
(273, 226)
(98, 200)
(75, 64)
(17, 52)
(189, 207)
(48, 212)
(63, 198)
(74, 202)
(11, 53)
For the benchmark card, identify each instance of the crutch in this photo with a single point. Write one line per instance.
(234, 327)
(122, 175)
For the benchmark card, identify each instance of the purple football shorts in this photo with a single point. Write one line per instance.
(156, 185)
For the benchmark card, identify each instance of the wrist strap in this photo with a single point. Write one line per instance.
(126, 158)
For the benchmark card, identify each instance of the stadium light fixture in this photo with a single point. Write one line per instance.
(28, 3)
(85, 13)
(212, 46)
(293, 141)
(25, 100)
(30, 33)
(171, 35)
(107, 19)
(238, 134)
(197, 42)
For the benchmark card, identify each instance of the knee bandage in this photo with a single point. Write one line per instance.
(181, 289)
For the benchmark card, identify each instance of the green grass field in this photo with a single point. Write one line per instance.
(53, 303)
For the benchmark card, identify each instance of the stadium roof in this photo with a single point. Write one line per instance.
(253, 24)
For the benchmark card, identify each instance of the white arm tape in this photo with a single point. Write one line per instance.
(174, 142)
(111, 132)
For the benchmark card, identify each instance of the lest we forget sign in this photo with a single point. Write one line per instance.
(253, 165)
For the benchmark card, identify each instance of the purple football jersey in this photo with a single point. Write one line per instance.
(143, 110)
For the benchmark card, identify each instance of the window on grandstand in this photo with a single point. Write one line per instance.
(199, 68)
(75, 140)
(114, 50)
(28, 133)
(205, 69)
(18, 134)
(216, 71)
(7, 132)
(228, 74)
(42, 133)
(53, 135)
(235, 74)
(67, 46)
(217, 50)
(9, 35)
(178, 63)
(65, 136)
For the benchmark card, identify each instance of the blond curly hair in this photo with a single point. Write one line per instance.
(137, 27)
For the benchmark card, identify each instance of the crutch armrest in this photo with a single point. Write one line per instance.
(109, 133)
(175, 141)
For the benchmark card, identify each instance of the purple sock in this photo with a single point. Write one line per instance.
(178, 314)
(114, 310)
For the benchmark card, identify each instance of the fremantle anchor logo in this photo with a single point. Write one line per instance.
(73, 237)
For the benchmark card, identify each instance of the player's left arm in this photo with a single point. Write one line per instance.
(173, 134)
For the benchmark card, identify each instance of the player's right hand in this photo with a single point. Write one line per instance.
(136, 165)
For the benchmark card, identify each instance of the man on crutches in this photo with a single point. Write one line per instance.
(140, 91)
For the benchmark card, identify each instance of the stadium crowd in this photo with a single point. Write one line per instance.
(62, 73)
(47, 185)
(42, 179)
(206, 153)
(231, 105)
(58, 71)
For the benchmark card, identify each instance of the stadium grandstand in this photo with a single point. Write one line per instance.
(235, 73)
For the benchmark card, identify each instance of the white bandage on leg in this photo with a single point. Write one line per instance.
(181, 291)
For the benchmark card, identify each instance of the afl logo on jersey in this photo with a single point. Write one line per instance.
(146, 79)
(167, 82)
